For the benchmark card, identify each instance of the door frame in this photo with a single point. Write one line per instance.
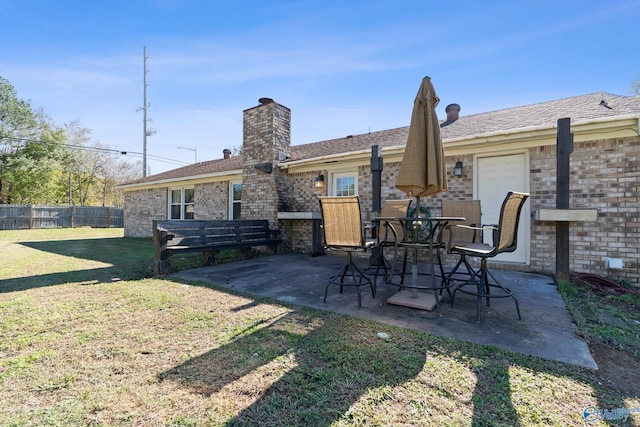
(525, 215)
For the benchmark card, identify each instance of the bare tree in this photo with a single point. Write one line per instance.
(116, 172)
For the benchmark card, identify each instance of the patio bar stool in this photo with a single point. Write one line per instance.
(343, 231)
(387, 234)
(504, 240)
(459, 236)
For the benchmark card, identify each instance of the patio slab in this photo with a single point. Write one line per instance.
(546, 329)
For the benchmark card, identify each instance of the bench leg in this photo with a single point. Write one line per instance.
(208, 258)
(162, 267)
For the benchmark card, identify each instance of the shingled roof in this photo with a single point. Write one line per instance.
(578, 108)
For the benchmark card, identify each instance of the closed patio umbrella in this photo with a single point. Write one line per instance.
(422, 172)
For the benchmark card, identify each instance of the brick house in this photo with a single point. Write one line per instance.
(510, 149)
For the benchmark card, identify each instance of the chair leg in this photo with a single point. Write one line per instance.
(454, 270)
(404, 265)
(444, 283)
(480, 279)
(357, 276)
(388, 279)
(483, 287)
(403, 273)
(461, 261)
(355, 280)
(380, 263)
(472, 279)
(507, 292)
(343, 273)
(332, 280)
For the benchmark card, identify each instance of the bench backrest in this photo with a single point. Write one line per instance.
(202, 232)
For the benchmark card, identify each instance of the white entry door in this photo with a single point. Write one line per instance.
(496, 177)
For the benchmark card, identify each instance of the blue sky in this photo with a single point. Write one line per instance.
(343, 67)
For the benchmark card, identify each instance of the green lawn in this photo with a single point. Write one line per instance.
(88, 337)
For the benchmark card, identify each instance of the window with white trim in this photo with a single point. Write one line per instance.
(181, 203)
(345, 184)
(235, 198)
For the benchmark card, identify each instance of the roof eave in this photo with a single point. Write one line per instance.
(583, 130)
(348, 159)
(196, 179)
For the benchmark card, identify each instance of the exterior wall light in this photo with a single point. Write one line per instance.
(457, 170)
(319, 181)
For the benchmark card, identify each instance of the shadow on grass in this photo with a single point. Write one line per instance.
(86, 277)
(288, 377)
(128, 259)
(297, 372)
(124, 251)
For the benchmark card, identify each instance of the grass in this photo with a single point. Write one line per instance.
(88, 337)
(605, 319)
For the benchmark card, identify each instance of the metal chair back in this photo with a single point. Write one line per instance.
(505, 238)
(471, 211)
(342, 222)
(394, 209)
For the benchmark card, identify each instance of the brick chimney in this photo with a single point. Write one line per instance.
(266, 143)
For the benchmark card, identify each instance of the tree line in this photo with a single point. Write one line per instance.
(42, 163)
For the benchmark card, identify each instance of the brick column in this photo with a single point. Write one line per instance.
(266, 142)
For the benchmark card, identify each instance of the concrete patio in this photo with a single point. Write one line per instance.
(546, 329)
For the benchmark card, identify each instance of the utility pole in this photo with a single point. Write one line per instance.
(145, 106)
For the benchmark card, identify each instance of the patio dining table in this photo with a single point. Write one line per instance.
(409, 295)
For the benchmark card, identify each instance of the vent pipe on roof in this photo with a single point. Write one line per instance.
(226, 153)
(453, 114)
(605, 104)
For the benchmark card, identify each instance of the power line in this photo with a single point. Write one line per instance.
(50, 32)
(102, 149)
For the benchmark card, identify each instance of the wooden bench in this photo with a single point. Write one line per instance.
(170, 236)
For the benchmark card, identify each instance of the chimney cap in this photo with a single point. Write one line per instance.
(264, 101)
(452, 107)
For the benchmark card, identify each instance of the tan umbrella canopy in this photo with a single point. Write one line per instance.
(422, 174)
(422, 171)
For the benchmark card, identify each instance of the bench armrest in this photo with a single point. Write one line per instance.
(166, 233)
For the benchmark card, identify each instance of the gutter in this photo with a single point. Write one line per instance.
(544, 127)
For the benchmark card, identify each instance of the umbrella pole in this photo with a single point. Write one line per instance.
(414, 265)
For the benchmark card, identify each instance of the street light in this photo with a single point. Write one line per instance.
(195, 152)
